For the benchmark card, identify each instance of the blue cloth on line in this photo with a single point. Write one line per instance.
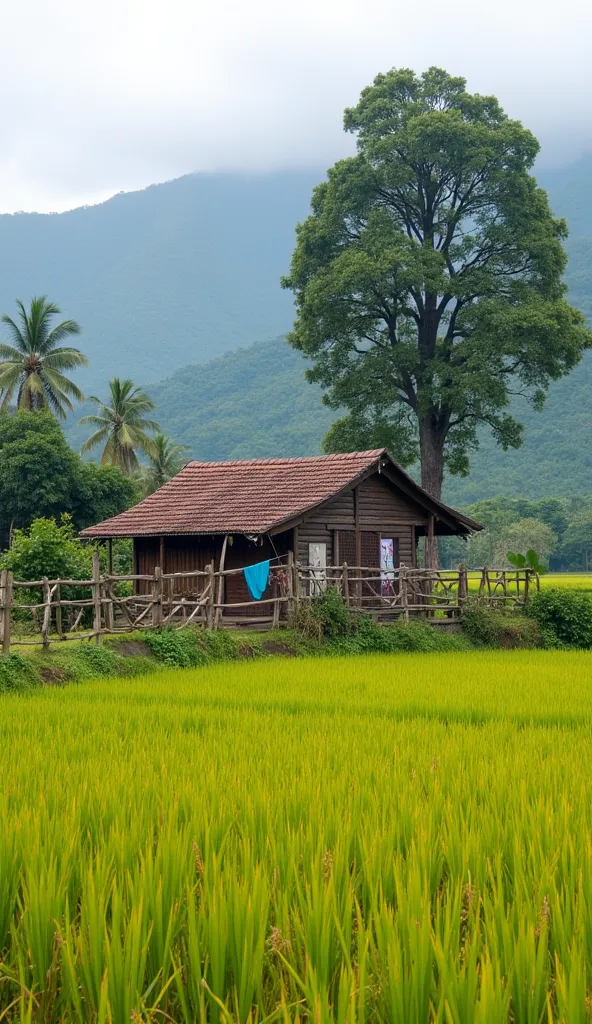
(257, 577)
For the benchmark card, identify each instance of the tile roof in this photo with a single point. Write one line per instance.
(256, 495)
(237, 497)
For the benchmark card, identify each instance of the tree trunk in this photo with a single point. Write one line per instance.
(431, 451)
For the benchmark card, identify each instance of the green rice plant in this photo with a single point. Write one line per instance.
(330, 840)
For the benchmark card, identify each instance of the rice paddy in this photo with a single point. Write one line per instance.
(403, 839)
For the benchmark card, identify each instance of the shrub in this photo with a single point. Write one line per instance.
(487, 628)
(17, 674)
(187, 648)
(564, 617)
(179, 648)
(327, 615)
(370, 637)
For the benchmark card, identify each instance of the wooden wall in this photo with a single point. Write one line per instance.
(381, 508)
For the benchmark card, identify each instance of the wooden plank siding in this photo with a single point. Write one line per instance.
(382, 509)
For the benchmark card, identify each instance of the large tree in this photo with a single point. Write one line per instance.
(33, 365)
(428, 277)
(40, 476)
(123, 426)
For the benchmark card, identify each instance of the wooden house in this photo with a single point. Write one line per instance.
(326, 510)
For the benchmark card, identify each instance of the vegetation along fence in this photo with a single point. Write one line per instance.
(49, 611)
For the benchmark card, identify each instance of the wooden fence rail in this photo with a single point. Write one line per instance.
(104, 607)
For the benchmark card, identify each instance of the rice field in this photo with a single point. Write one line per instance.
(404, 839)
(557, 580)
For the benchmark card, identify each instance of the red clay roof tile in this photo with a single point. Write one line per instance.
(237, 497)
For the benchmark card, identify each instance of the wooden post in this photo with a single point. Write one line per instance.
(157, 598)
(110, 555)
(108, 608)
(210, 618)
(58, 610)
(96, 594)
(6, 587)
(275, 592)
(221, 587)
(45, 625)
(345, 583)
(463, 586)
(290, 584)
(296, 585)
(526, 585)
(358, 586)
(404, 592)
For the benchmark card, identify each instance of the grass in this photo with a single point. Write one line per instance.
(399, 839)
(561, 580)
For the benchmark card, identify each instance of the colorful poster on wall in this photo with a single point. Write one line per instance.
(387, 566)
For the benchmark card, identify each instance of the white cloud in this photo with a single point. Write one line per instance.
(115, 95)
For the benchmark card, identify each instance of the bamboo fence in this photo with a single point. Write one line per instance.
(176, 600)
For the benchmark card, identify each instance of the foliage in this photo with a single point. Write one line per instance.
(428, 275)
(487, 628)
(165, 459)
(565, 616)
(40, 476)
(187, 648)
(49, 549)
(17, 674)
(252, 845)
(577, 539)
(101, 492)
(122, 425)
(37, 469)
(33, 365)
(530, 560)
(327, 615)
(419, 637)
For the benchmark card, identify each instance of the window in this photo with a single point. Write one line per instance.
(317, 559)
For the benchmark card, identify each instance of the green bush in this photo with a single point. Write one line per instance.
(564, 617)
(17, 674)
(485, 627)
(187, 648)
(370, 637)
(327, 616)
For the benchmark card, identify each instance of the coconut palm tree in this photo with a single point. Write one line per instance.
(122, 426)
(33, 365)
(164, 462)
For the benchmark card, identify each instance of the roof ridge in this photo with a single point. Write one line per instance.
(369, 454)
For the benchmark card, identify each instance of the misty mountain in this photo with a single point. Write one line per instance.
(168, 282)
(175, 274)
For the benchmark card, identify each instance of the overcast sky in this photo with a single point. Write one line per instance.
(112, 95)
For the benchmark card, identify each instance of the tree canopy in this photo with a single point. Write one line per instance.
(33, 365)
(428, 277)
(164, 462)
(123, 426)
(40, 476)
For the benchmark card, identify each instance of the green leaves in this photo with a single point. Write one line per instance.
(530, 561)
(123, 426)
(32, 366)
(429, 274)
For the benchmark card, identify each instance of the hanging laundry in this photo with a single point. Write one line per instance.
(257, 578)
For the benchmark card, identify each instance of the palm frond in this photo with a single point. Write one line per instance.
(97, 438)
(11, 353)
(65, 359)
(19, 339)
(66, 385)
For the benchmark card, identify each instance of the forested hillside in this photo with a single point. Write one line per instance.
(164, 280)
(176, 274)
